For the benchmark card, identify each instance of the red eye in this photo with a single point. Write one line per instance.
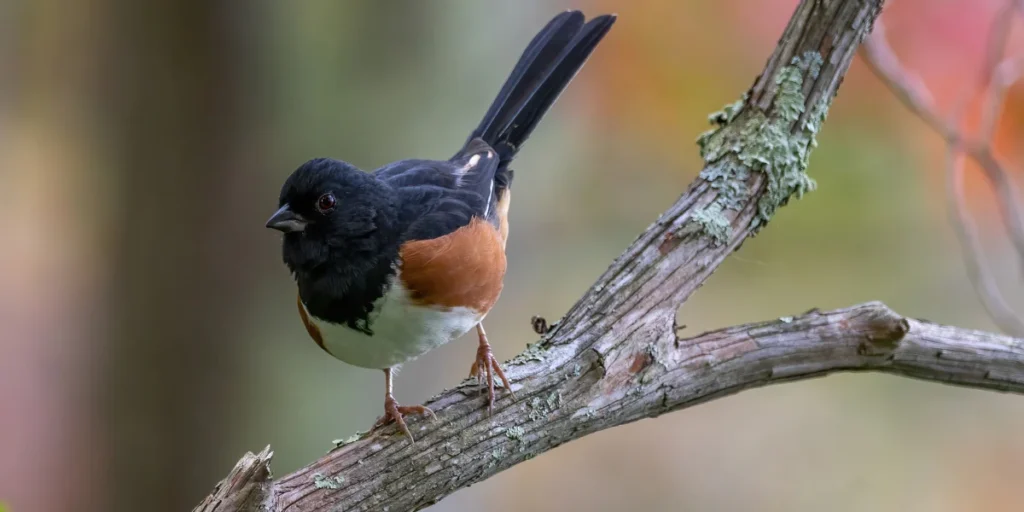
(326, 203)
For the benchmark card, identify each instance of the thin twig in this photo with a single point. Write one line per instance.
(998, 37)
(998, 74)
(985, 283)
(1004, 75)
(980, 274)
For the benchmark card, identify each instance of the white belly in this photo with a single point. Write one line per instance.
(402, 331)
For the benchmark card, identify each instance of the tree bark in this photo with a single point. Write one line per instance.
(616, 356)
(567, 398)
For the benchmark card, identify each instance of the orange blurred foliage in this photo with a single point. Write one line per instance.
(943, 42)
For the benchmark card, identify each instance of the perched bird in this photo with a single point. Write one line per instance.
(393, 263)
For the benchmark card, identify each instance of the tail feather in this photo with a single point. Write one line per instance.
(548, 64)
(537, 56)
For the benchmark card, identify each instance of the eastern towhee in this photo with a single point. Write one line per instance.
(398, 261)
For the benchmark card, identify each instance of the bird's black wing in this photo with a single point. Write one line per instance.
(439, 197)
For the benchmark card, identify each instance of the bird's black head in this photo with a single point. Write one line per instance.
(340, 230)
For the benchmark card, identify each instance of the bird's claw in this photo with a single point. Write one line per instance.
(484, 368)
(396, 413)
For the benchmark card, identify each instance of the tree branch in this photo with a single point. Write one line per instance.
(616, 358)
(588, 393)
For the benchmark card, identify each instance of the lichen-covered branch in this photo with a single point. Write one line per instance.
(615, 357)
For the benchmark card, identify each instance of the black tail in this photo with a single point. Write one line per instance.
(548, 64)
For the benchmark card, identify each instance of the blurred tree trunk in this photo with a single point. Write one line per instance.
(175, 76)
(50, 270)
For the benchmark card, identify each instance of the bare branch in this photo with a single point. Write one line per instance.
(588, 393)
(998, 75)
(244, 488)
(908, 87)
(994, 86)
(865, 337)
(1004, 75)
(998, 37)
(985, 284)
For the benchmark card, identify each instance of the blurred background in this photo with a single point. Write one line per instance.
(148, 334)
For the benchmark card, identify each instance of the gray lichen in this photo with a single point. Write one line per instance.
(539, 408)
(576, 370)
(515, 433)
(584, 414)
(770, 143)
(452, 449)
(533, 352)
(710, 221)
(325, 482)
(537, 411)
(338, 443)
(730, 181)
(728, 112)
(496, 455)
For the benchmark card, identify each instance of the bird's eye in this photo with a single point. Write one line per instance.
(326, 203)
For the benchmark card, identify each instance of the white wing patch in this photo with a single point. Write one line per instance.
(463, 171)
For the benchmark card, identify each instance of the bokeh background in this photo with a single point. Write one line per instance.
(148, 336)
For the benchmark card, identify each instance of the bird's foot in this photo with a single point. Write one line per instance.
(396, 413)
(484, 368)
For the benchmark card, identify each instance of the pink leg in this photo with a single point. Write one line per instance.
(395, 412)
(485, 366)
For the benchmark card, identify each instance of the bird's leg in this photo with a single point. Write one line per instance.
(395, 412)
(485, 366)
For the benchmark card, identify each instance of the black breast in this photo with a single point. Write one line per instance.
(346, 293)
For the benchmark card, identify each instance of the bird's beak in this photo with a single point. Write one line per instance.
(287, 221)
